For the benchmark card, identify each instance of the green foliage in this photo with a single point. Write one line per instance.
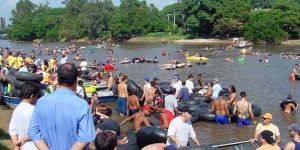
(23, 7)
(231, 17)
(265, 27)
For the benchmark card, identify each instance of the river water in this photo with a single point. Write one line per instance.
(265, 83)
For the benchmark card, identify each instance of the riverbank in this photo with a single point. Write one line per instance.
(194, 41)
(291, 42)
(5, 142)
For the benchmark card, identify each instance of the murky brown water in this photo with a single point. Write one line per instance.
(265, 83)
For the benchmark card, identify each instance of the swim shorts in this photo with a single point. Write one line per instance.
(243, 122)
(121, 105)
(222, 119)
(132, 111)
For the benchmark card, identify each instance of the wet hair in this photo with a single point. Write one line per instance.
(134, 91)
(124, 78)
(211, 83)
(183, 82)
(160, 105)
(106, 140)
(172, 91)
(67, 74)
(221, 93)
(199, 75)
(152, 83)
(190, 76)
(93, 94)
(29, 88)
(289, 96)
(243, 94)
(121, 74)
(80, 82)
(232, 88)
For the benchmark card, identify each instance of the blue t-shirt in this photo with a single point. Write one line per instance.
(62, 119)
(216, 89)
(184, 94)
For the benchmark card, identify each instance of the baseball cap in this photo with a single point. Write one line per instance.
(187, 109)
(155, 78)
(176, 77)
(146, 78)
(107, 61)
(268, 135)
(294, 127)
(216, 79)
(146, 107)
(267, 115)
(26, 63)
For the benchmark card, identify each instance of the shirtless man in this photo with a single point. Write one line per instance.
(123, 96)
(243, 109)
(290, 106)
(133, 104)
(110, 82)
(139, 118)
(232, 95)
(294, 72)
(150, 95)
(220, 108)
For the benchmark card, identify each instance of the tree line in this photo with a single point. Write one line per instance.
(267, 21)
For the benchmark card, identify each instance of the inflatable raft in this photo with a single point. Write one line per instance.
(196, 58)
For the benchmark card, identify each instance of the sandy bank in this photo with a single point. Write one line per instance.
(181, 40)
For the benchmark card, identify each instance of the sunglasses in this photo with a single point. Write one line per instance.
(265, 118)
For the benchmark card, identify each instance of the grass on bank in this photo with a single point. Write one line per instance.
(162, 36)
(3, 136)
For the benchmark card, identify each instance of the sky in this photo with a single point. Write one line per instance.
(8, 5)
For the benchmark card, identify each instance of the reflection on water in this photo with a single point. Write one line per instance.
(265, 83)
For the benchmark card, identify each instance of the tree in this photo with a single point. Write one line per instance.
(261, 4)
(290, 11)
(23, 7)
(231, 17)
(265, 27)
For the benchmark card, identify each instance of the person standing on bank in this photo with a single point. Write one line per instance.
(62, 120)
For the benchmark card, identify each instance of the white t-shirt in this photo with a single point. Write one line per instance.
(80, 91)
(181, 130)
(216, 89)
(148, 86)
(170, 103)
(190, 85)
(19, 123)
(83, 65)
(63, 60)
(177, 86)
(23, 69)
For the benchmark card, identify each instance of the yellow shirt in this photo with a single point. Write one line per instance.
(51, 62)
(271, 127)
(20, 61)
(1, 60)
(269, 147)
(15, 62)
(9, 60)
(29, 60)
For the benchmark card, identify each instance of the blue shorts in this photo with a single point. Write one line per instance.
(14, 71)
(121, 105)
(243, 122)
(222, 119)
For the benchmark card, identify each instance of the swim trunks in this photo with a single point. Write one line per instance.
(243, 122)
(132, 111)
(121, 105)
(222, 119)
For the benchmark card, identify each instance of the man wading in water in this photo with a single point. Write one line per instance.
(139, 118)
(220, 108)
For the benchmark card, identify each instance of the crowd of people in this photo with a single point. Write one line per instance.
(73, 120)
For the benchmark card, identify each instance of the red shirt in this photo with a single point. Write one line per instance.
(170, 117)
(108, 67)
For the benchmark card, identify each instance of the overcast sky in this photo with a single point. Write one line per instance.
(7, 5)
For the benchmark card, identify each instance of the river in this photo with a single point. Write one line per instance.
(265, 83)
